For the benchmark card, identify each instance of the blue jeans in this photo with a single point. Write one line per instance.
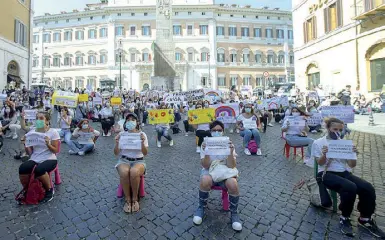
(247, 133)
(77, 147)
(66, 133)
(163, 131)
(296, 141)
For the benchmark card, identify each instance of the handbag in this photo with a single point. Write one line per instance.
(220, 172)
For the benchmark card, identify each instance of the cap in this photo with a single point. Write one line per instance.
(132, 115)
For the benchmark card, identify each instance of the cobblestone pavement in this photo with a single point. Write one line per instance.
(85, 204)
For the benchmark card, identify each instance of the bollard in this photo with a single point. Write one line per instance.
(371, 119)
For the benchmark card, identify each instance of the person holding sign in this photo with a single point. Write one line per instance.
(296, 129)
(86, 137)
(65, 125)
(336, 174)
(42, 144)
(162, 130)
(131, 165)
(206, 180)
(202, 130)
(248, 124)
(107, 119)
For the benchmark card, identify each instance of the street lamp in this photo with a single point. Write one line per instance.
(120, 51)
(208, 58)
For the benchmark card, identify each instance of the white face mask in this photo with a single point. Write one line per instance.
(296, 114)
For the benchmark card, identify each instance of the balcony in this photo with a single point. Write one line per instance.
(367, 8)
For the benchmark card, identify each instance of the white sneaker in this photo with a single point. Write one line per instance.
(313, 131)
(281, 121)
(231, 130)
(109, 134)
(72, 152)
(9, 135)
(14, 137)
(81, 153)
(237, 226)
(237, 130)
(142, 124)
(198, 149)
(186, 135)
(197, 220)
(259, 152)
(270, 125)
(171, 143)
(159, 144)
(247, 152)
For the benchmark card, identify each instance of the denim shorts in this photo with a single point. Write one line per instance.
(215, 184)
(130, 163)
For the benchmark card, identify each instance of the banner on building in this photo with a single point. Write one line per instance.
(160, 116)
(199, 116)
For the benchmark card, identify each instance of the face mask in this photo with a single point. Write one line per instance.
(216, 134)
(39, 124)
(85, 126)
(248, 110)
(296, 114)
(334, 135)
(130, 125)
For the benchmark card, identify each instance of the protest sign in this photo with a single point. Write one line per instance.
(97, 101)
(116, 101)
(130, 141)
(161, 116)
(85, 138)
(344, 113)
(261, 105)
(212, 95)
(83, 97)
(313, 95)
(315, 119)
(199, 116)
(30, 114)
(65, 99)
(217, 146)
(187, 95)
(249, 124)
(284, 101)
(226, 113)
(3, 97)
(172, 98)
(34, 139)
(342, 149)
(296, 121)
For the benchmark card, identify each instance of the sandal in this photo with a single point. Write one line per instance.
(135, 207)
(127, 207)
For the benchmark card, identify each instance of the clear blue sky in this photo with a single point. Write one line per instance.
(55, 6)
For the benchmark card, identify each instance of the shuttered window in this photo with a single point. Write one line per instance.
(333, 16)
(310, 29)
(21, 35)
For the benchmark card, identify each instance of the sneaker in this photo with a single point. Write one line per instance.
(72, 152)
(259, 152)
(159, 144)
(346, 227)
(280, 122)
(186, 135)
(313, 131)
(109, 134)
(198, 215)
(48, 196)
(171, 143)
(81, 153)
(142, 124)
(270, 125)
(247, 152)
(231, 130)
(9, 135)
(236, 222)
(198, 149)
(372, 227)
(237, 130)
(14, 136)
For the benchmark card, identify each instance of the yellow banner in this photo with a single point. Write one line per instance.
(199, 116)
(161, 116)
(116, 101)
(65, 99)
(83, 97)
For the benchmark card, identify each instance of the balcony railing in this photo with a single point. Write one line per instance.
(365, 8)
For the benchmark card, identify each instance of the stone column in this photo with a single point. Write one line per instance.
(111, 43)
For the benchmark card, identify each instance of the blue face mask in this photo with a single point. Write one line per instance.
(248, 110)
(39, 124)
(217, 134)
(130, 125)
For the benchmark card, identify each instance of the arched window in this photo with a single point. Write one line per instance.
(233, 56)
(67, 59)
(56, 60)
(103, 56)
(258, 57)
(246, 55)
(270, 57)
(79, 58)
(205, 54)
(91, 58)
(281, 57)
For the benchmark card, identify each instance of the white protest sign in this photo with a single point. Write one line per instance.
(315, 119)
(97, 101)
(34, 139)
(3, 97)
(174, 98)
(249, 124)
(272, 103)
(313, 95)
(296, 121)
(284, 101)
(130, 141)
(30, 114)
(344, 113)
(217, 146)
(342, 149)
(85, 138)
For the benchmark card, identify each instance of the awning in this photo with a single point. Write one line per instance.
(13, 78)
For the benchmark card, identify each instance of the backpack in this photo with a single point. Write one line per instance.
(252, 146)
(34, 192)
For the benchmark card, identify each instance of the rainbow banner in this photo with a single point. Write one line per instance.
(227, 113)
(199, 116)
(161, 116)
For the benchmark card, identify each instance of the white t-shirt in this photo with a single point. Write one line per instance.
(131, 153)
(42, 153)
(336, 165)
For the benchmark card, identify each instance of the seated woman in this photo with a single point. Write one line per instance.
(97, 113)
(107, 119)
(162, 130)
(377, 105)
(41, 156)
(9, 122)
(336, 175)
(202, 130)
(65, 125)
(248, 116)
(82, 148)
(206, 181)
(131, 165)
(297, 136)
(311, 109)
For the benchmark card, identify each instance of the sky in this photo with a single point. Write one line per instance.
(55, 6)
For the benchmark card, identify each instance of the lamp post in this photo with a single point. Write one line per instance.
(208, 58)
(120, 51)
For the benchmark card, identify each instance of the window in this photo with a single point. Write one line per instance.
(35, 38)
(231, 15)
(92, 34)
(189, 13)
(333, 16)
(132, 31)
(258, 58)
(256, 17)
(258, 81)
(46, 62)
(257, 32)
(280, 34)
(177, 30)
(67, 20)
(203, 13)
(91, 60)
(244, 16)
(145, 14)
(232, 31)
(104, 16)
(246, 81)
(246, 57)
(281, 58)
(178, 56)
(204, 57)
(220, 31)
(46, 38)
(233, 81)
(91, 18)
(221, 81)
(35, 62)
(103, 58)
(68, 36)
(79, 83)
(268, 17)
(245, 32)
(189, 30)
(145, 57)
(119, 31)
(269, 33)
(191, 57)
(204, 29)
(220, 56)
(204, 81)
(279, 18)
(119, 14)
(377, 73)
(103, 32)
(310, 29)
(146, 31)
(67, 61)
(118, 56)
(313, 79)
(79, 35)
(56, 37)
(233, 57)
(290, 34)
(281, 79)
(270, 58)
(79, 60)
(79, 19)
(291, 57)
(132, 14)
(219, 14)
(133, 57)
(176, 13)
(56, 62)
(91, 82)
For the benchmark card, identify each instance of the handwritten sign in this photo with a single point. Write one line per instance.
(97, 101)
(130, 141)
(83, 97)
(199, 116)
(86, 138)
(296, 121)
(161, 116)
(192, 95)
(34, 139)
(342, 149)
(315, 119)
(217, 146)
(249, 124)
(227, 113)
(116, 101)
(174, 98)
(344, 113)
(30, 114)
(313, 95)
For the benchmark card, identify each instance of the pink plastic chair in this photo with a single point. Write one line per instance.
(225, 197)
(142, 192)
(57, 176)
